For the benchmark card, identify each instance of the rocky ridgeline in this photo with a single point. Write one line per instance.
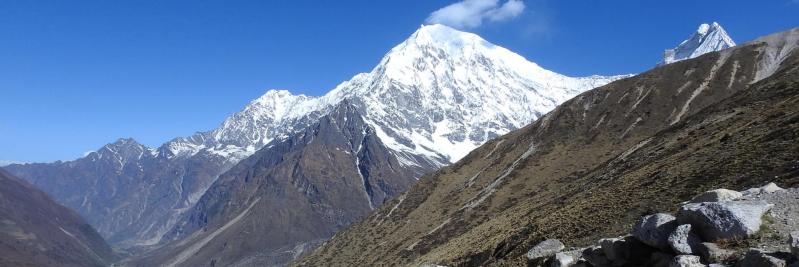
(717, 228)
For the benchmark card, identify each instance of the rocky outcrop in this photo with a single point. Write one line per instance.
(657, 240)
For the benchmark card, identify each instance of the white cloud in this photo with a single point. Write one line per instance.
(471, 13)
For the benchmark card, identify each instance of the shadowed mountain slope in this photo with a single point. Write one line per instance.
(289, 196)
(36, 231)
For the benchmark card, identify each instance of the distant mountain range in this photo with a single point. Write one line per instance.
(324, 161)
(431, 99)
(592, 166)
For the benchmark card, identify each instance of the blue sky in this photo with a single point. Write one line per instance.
(75, 75)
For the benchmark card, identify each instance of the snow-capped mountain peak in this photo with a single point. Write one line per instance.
(438, 94)
(707, 38)
(443, 92)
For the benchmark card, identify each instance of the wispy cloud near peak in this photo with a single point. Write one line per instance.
(471, 13)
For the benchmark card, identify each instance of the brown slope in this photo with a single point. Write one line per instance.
(35, 231)
(546, 180)
(288, 197)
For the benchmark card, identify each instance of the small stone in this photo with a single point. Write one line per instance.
(567, 258)
(683, 240)
(766, 189)
(654, 229)
(718, 265)
(710, 252)
(545, 249)
(724, 220)
(760, 258)
(770, 188)
(793, 242)
(686, 261)
(717, 195)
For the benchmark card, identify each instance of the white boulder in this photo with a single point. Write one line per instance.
(545, 249)
(566, 258)
(717, 195)
(724, 220)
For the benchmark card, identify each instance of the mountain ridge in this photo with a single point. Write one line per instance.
(431, 99)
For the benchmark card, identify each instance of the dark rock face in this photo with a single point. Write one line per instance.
(288, 197)
(594, 165)
(35, 231)
(654, 230)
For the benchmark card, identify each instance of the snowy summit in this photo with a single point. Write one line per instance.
(439, 94)
(707, 38)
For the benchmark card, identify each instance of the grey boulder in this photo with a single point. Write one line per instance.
(545, 249)
(710, 252)
(683, 240)
(724, 220)
(654, 229)
(686, 261)
(717, 195)
(760, 258)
